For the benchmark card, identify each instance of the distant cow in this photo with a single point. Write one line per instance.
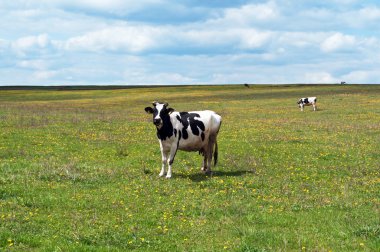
(188, 131)
(307, 102)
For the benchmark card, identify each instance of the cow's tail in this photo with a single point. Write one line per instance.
(216, 142)
(216, 153)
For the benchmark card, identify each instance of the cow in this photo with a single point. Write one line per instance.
(187, 131)
(307, 102)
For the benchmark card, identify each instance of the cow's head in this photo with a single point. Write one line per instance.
(160, 112)
(300, 103)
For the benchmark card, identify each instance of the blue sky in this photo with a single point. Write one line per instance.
(129, 42)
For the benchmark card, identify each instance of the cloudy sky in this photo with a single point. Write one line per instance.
(130, 42)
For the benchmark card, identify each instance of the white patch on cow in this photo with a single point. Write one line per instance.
(159, 107)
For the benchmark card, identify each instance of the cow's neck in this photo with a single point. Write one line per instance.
(166, 130)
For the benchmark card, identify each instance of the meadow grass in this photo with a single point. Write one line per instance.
(79, 171)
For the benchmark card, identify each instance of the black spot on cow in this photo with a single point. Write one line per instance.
(306, 101)
(189, 119)
(194, 129)
(166, 131)
(184, 133)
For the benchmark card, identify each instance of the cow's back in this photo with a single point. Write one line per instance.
(312, 99)
(195, 128)
(211, 120)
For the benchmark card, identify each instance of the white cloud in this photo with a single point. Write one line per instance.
(362, 76)
(138, 38)
(202, 37)
(319, 78)
(370, 13)
(22, 45)
(251, 12)
(160, 78)
(300, 40)
(243, 38)
(357, 19)
(33, 64)
(318, 14)
(251, 38)
(246, 15)
(31, 41)
(128, 39)
(44, 75)
(338, 41)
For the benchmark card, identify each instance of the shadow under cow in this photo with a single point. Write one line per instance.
(198, 177)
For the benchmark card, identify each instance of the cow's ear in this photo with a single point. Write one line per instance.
(149, 110)
(170, 110)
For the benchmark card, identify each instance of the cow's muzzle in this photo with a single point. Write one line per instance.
(157, 122)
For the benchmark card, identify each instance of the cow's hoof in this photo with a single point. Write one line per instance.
(203, 168)
(168, 176)
(161, 174)
(208, 172)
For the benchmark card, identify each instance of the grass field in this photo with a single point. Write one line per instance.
(79, 171)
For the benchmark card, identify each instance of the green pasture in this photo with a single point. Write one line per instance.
(79, 171)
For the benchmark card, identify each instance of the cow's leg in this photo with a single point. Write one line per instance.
(301, 107)
(164, 161)
(314, 107)
(204, 166)
(173, 151)
(210, 149)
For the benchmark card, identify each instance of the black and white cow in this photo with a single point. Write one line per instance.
(188, 131)
(307, 102)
